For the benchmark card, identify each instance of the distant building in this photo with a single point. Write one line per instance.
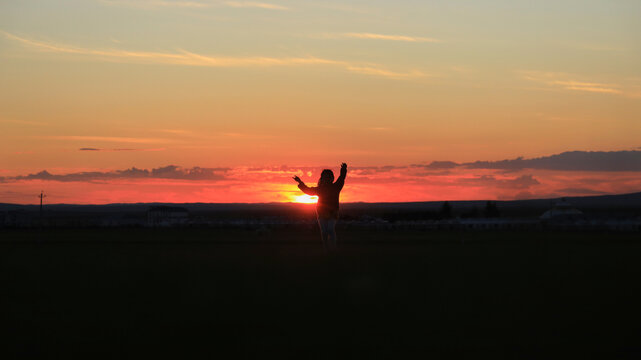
(167, 216)
(562, 211)
(498, 224)
(119, 221)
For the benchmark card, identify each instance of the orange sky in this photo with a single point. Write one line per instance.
(107, 85)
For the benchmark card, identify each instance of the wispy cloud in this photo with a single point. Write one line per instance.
(587, 86)
(175, 131)
(182, 58)
(368, 10)
(389, 37)
(186, 58)
(193, 4)
(252, 4)
(157, 3)
(369, 70)
(244, 135)
(116, 139)
(111, 150)
(189, 58)
(565, 81)
(181, 133)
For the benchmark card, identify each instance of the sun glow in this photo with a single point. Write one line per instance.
(305, 199)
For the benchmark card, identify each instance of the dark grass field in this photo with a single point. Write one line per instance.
(141, 293)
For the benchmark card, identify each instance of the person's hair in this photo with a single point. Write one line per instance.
(326, 178)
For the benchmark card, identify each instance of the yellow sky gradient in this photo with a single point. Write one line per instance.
(302, 83)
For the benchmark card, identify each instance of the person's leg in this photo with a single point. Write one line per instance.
(323, 224)
(331, 234)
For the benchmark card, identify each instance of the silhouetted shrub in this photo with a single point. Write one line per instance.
(491, 210)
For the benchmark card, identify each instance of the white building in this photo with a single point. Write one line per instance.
(562, 211)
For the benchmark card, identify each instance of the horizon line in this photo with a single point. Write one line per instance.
(342, 203)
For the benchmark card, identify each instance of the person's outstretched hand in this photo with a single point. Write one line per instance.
(297, 179)
(343, 166)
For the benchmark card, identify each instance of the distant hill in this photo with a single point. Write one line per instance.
(628, 203)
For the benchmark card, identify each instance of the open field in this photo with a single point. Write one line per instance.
(143, 292)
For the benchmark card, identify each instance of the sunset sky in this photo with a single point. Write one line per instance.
(223, 101)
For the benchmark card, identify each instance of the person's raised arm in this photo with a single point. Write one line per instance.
(341, 178)
(304, 188)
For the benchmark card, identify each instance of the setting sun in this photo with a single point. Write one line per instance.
(305, 199)
(426, 100)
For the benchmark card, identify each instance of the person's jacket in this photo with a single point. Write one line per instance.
(327, 205)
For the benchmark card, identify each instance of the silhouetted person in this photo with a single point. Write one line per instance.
(328, 192)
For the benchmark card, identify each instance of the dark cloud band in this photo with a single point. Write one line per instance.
(570, 161)
(166, 172)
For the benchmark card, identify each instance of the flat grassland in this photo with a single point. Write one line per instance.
(199, 292)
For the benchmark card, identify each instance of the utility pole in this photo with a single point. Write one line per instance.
(41, 196)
